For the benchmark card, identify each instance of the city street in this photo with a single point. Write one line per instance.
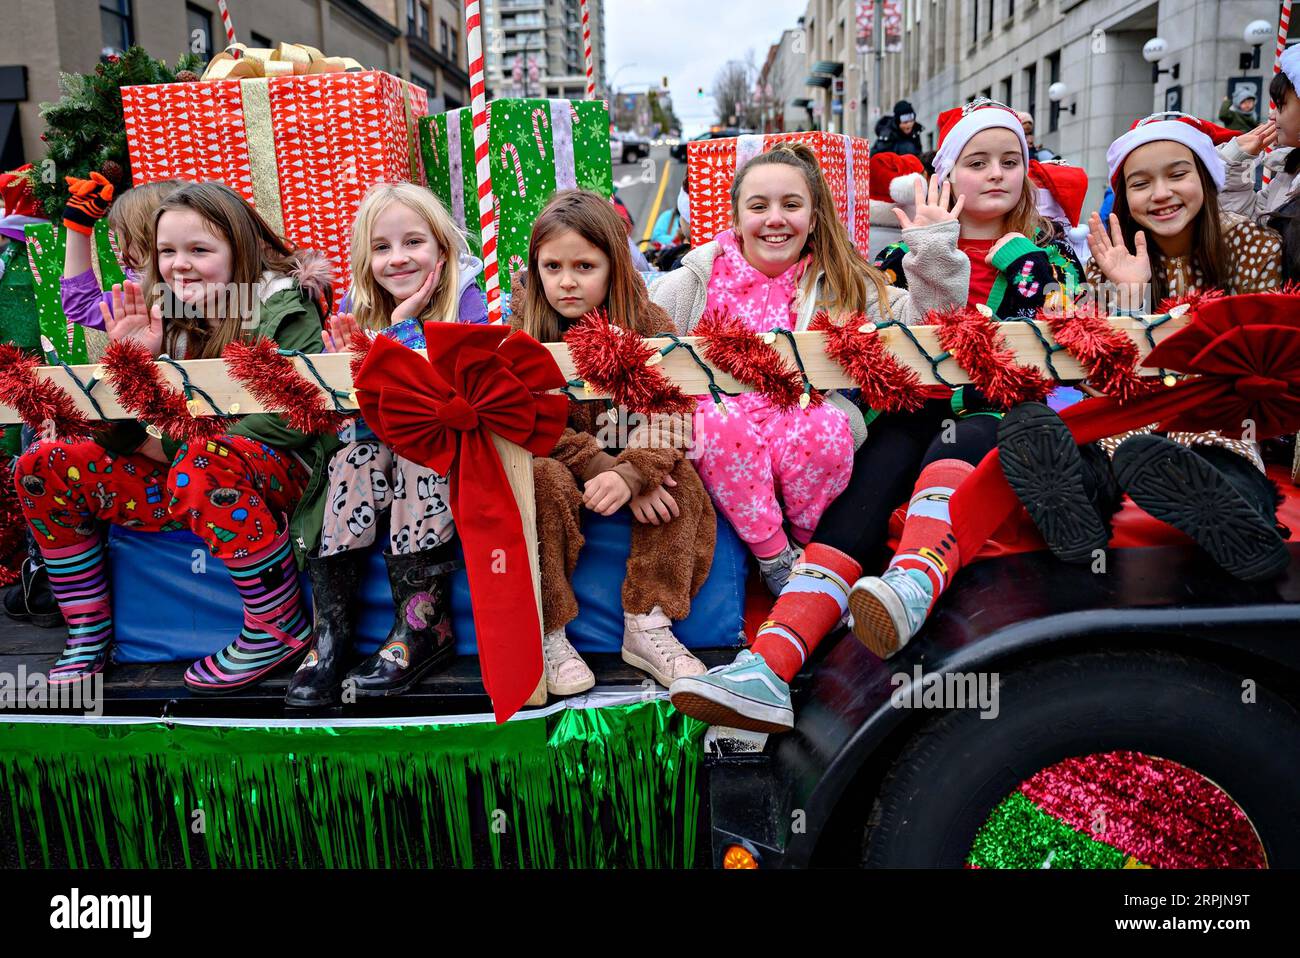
(648, 187)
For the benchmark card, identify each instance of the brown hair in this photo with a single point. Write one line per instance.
(254, 249)
(595, 220)
(1209, 255)
(131, 218)
(833, 253)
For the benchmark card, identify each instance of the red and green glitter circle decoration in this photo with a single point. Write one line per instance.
(1117, 810)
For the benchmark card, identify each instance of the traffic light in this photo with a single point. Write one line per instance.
(665, 86)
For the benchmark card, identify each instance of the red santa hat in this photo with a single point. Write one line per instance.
(958, 125)
(1199, 136)
(893, 175)
(1061, 190)
(18, 205)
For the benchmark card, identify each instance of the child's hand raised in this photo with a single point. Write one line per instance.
(932, 205)
(1112, 256)
(414, 304)
(606, 493)
(658, 506)
(338, 332)
(131, 317)
(1259, 139)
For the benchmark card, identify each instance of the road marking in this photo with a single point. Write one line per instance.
(659, 198)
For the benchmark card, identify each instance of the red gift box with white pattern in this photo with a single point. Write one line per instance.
(711, 167)
(311, 145)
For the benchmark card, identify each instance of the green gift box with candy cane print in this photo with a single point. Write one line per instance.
(535, 147)
(45, 245)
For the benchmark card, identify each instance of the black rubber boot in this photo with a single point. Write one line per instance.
(421, 639)
(1229, 513)
(30, 599)
(335, 582)
(1045, 469)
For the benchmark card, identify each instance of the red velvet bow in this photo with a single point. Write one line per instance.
(438, 412)
(1245, 354)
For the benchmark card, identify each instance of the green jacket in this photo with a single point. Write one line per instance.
(289, 318)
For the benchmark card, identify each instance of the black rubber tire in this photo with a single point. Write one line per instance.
(950, 776)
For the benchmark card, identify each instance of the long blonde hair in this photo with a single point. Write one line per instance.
(833, 253)
(371, 303)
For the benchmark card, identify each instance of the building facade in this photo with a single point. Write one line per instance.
(535, 48)
(1014, 50)
(420, 40)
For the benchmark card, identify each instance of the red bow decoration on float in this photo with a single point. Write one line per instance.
(439, 412)
(1244, 352)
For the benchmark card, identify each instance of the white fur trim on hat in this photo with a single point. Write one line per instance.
(976, 121)
(1049, 208)
(1175, 130)
(1289, 63)
(902, 189)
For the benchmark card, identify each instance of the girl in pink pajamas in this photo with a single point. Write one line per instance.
(787, 258)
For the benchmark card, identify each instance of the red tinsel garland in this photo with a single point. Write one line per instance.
(360, 347)
(1193, 299)
(974, 342)
(613, 360)
(1109, 355)
(142, 390)
(731, 346)
(13, 548)
(887, 385)
(36, 400)
(276, 383)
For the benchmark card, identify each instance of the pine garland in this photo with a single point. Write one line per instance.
(85, 130)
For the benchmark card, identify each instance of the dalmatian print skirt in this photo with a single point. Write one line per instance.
(366, 480)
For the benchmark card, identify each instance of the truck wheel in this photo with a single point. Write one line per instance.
(1103, 759)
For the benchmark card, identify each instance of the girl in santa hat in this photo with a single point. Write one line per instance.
(982, 202)
(1167, 176)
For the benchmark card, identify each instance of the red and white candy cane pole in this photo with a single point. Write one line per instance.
(225, 21)
(482, 162)
(586, 49)
(1283, 28)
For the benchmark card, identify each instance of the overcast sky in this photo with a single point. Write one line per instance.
(688, 41)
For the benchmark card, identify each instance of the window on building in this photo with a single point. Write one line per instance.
(198, 25)
(259, 40)
(443, 39)
(987, 93)
(1011, 9)
(454, 55)
(1004, 91)
(115, 24)
(422, 20)
(974, 20)
(991, 4)
(410, 16)
(1031, 90)
(1053, 76)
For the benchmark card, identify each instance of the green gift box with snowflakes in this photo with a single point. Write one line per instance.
(45, 247)
(535, 147)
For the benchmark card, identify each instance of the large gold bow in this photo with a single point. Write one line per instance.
(288, 59)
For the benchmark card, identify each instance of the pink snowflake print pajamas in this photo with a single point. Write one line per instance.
(763, 466)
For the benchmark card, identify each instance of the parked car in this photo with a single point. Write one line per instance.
(628, 147)
(678, 152)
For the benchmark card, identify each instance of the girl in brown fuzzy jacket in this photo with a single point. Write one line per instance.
(578, 262)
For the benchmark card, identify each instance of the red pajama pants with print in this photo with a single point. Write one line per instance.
(233, 492)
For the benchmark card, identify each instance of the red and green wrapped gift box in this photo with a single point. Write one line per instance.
(535, 147)
(302, 149)
(711, 167)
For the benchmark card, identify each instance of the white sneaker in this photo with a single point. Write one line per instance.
(566, 673)
(649, 645)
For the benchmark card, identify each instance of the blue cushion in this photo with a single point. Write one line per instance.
(174, 602)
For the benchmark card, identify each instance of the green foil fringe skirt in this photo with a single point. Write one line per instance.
(601, 787)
